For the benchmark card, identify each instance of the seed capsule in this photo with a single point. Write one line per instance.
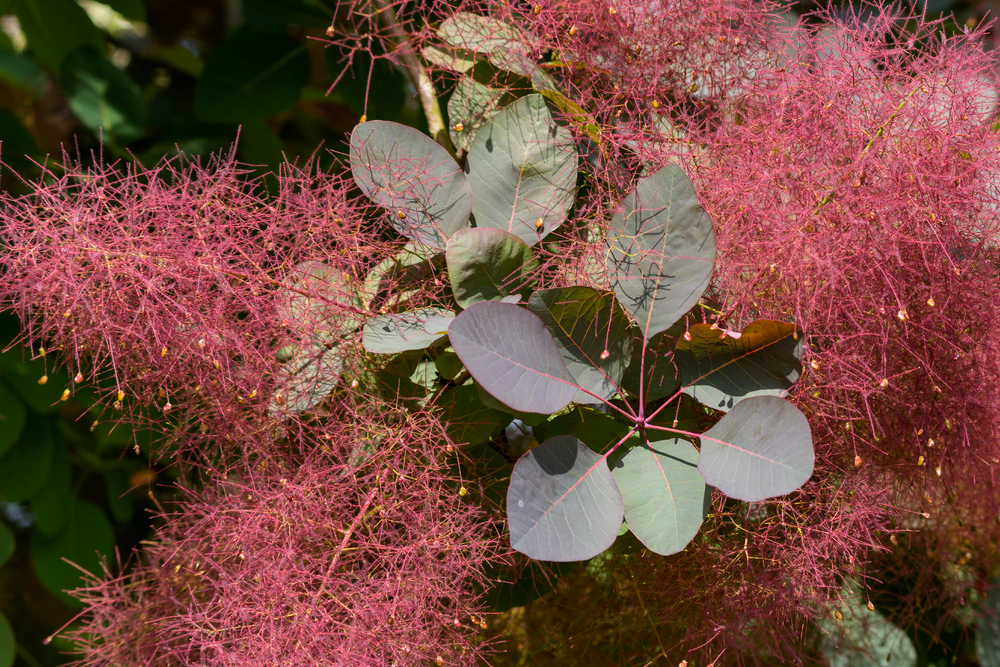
(884, 383)
(572, 30)
(612, 11)
(920, 460)
(814, 365)
(163, 352)
(330, 32)
(871, 607)
(402, 214)
(857, 461)
(930, 302)
(65, 395)
(903, 315)
(937, 471)
(43, 380)
(892, 538)
(121, 395)
(78, 378)
(463, 492)
(536, 10)
(605, 355)
(687, 336)
(458, 127)
(656, 104)
(539, 224)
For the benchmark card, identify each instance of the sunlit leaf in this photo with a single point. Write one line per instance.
(412, 330)
(522, 168)
(511, 353)
(761, 449)
(423, 189)
(470, 106)
(661, 250)
(563, 503)
(664, 494)
(719, 369)
(592, 333)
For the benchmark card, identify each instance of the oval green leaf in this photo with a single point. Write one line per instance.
(664, 494)
(661, 250)
(54, 28)
(988, 627)
(319, 302)
(510, 352)
(51, 504)
(412, 330)
(563, 503)
(720, 369)
(502, 43)
(652, 366)
(253, 74)
(592, 334)
(488, 264)
(470, 106)
(522, 168)
(761, 449)
(103, 97)
(87, 536)
(427, 196)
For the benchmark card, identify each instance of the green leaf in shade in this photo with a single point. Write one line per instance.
(24, 469)
(592, 334)
(86, 537)
(412, 330)
(761, 449)
(12, 416)
(427, 196)
(987, 627)
(522, 167)
(51, 504)
(8, 645)
(23, 375)
(588, 124)
(319, 302)
(465, 417)
(510, 352)
(305, 13)
(518, 585)
(720, 369)
(119, 497)
(19, 70)
(470, 106)
(260, 146)
(502, 43)
(307, 378)
(488, 264)
(862, 637)
(55, 28)
(253, 74)
(658, 374)
(133, 10)
(102, 96)
(661, 250)
(7, 543)
(563, 503)
(490, 401)
(664, 494)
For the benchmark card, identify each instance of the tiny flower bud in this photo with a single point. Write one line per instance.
(439, 660)
(612, 11)
(892, 538)
(605, 355)
(937, 471)
(920, 460)
(118, 405)
(330, 32)
(871, 607)
(926, 515)
(163, 351)
(838, 615)
(884, 383)
(65, 395)
(354, 384)
(814, 365)
(536, 10)
(903, 315)
(167, 407)
(93, 427)
(458, 127)
(930, 442)
(450, 448)
(121, 395)
(572, 30)
(857, 461)
(402, 214)
(78, 378)
(201, 343)
(463, 492)
(43, 380)
(655, 104)
(930, 302)
(363, 118)
(539, 224)
(687, 336)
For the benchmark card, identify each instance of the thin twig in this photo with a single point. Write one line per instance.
(418, 73)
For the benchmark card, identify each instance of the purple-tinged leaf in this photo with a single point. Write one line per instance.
(592, 334)
(487, 264)
(720, 369)
(664, 494)
(412, 330)
(661, 250)
(761, 449)
(563, 503)
(510, 352)
(406, 172)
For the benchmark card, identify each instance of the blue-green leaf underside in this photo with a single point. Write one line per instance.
(664, 494)
(522, 168)
(307, 378)
(563, 503)
(761, 449)
(661, 250)
(427, 196)
(510, 352)
(412, 330)
(719, 370)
